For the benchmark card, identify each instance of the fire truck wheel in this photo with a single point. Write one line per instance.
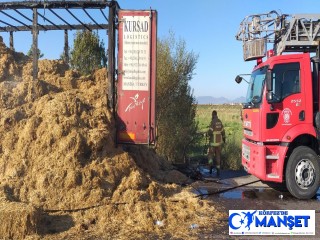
(302, 173)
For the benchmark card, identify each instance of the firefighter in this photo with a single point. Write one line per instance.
(217, 136)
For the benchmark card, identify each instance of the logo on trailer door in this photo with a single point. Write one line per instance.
(136, 102)
(286, 114)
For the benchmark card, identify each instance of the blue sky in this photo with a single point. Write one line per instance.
(207, 26)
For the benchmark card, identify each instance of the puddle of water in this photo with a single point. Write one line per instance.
(200, 191)
(259, 193)
(256, 193)
(231, 195)
(262, 194)
(205, 171)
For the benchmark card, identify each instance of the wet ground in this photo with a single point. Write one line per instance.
(240, 191)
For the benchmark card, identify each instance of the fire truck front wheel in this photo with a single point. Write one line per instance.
(303, 173)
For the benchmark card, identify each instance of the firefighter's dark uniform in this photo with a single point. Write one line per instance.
(216, 138)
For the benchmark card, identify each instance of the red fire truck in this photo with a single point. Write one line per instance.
(281, 115)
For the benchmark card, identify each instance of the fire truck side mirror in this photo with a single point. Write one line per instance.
(269, 87)
(238, 79)
(269, 81)
(269, 97)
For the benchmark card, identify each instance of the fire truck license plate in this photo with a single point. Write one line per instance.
(246, 152)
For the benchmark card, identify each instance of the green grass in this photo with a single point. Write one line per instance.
(230, 115)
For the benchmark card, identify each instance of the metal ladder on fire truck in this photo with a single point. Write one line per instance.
(287, 33)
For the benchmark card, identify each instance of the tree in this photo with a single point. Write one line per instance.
(176, 108)
(30, 53)
(88, 52)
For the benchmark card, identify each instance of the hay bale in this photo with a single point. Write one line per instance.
(18, 220)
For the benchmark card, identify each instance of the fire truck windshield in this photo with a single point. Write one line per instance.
(255, 89)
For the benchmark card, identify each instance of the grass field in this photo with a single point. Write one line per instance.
(230, 115)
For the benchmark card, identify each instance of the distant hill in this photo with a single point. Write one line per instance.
(220, 100)
(239, 100)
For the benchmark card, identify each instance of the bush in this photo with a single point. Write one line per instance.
(176, 109)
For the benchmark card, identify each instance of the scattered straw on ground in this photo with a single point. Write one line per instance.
(61, 172)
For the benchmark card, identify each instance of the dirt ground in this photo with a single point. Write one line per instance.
(61, 175)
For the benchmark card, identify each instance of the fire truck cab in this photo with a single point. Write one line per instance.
(281, 118)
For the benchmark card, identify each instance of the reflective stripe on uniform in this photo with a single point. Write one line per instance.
(217, 138)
